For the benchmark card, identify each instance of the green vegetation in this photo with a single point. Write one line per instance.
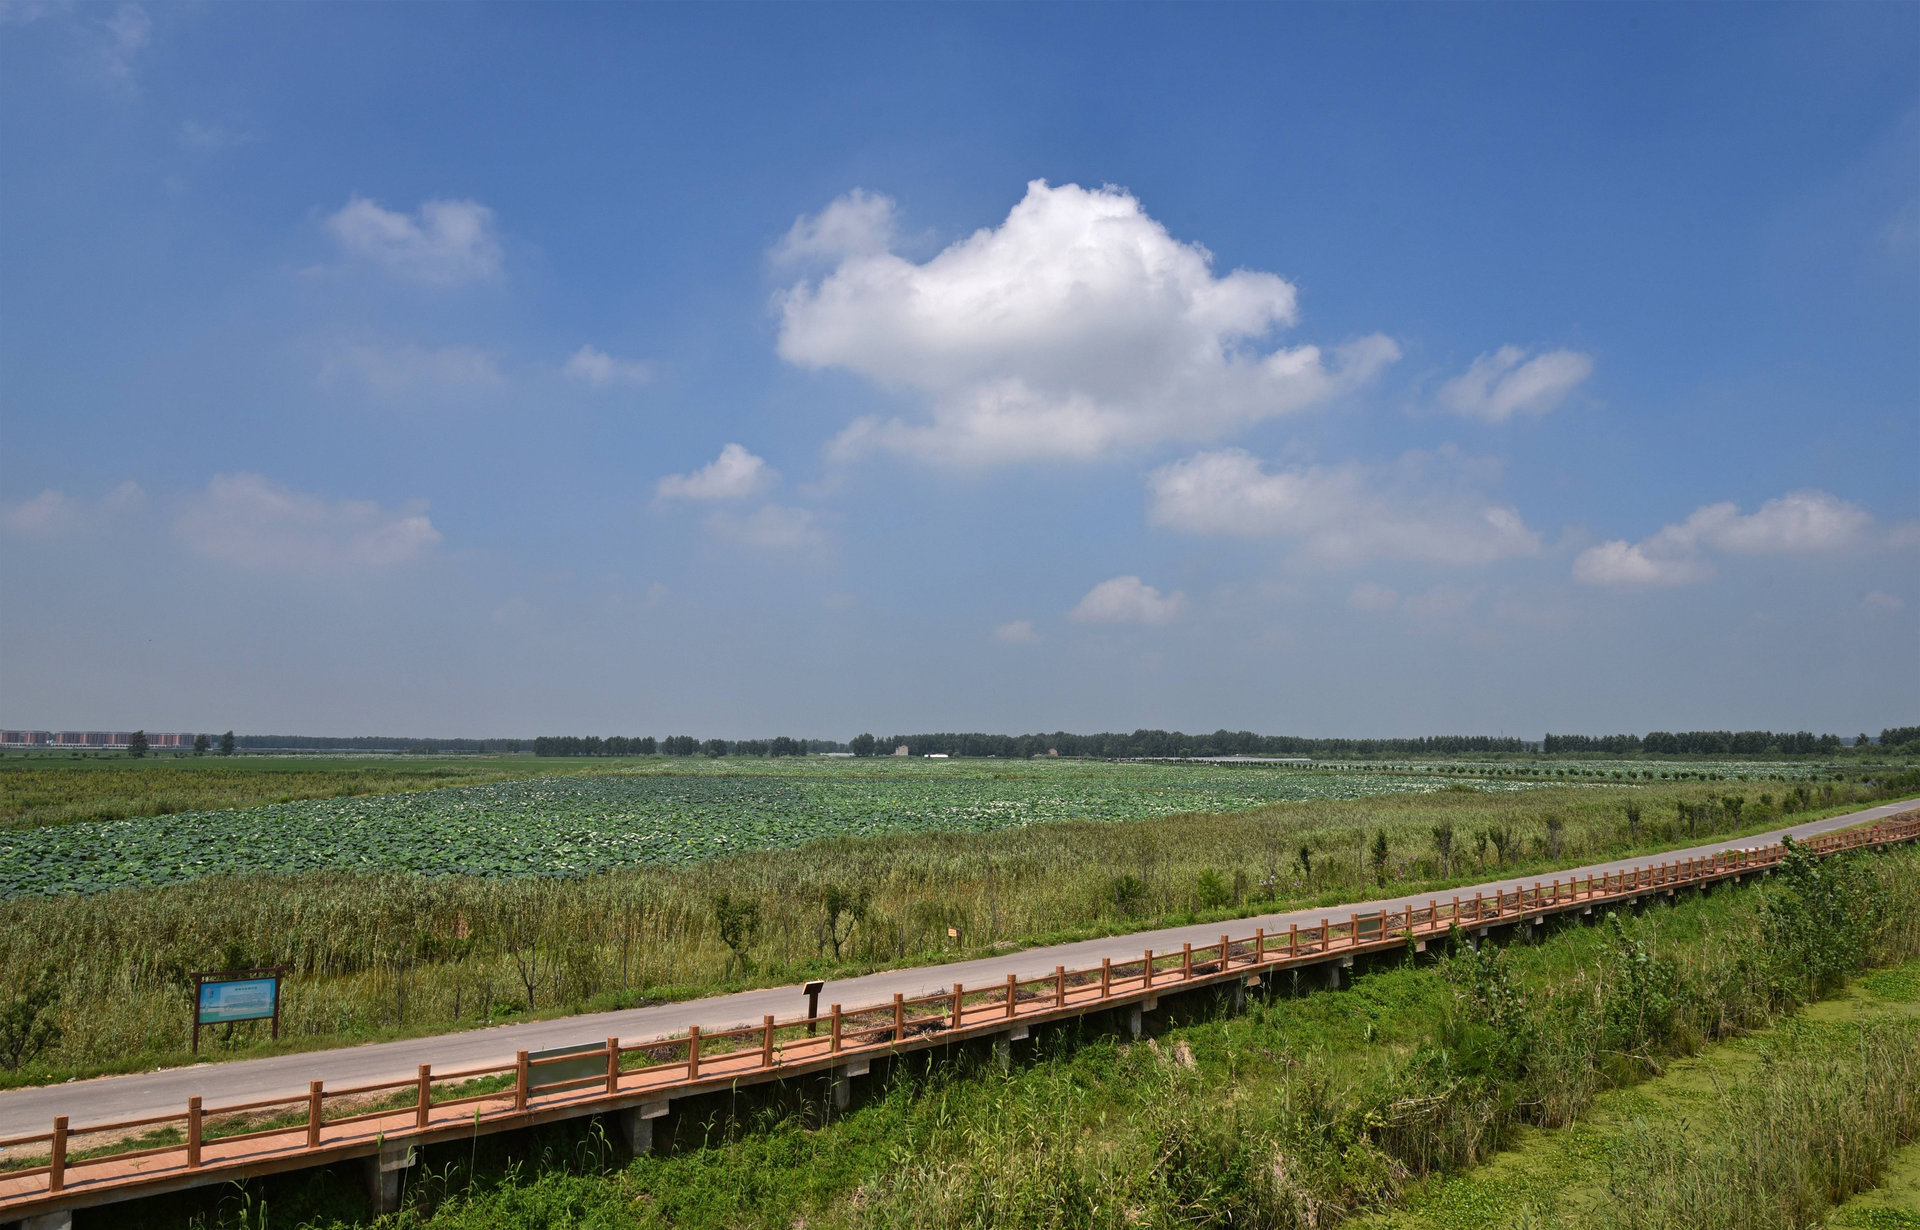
(666, 812)
(1310, 1111)
(381, 955)
(53, 788)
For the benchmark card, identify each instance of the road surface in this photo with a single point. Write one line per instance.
(113, 1098)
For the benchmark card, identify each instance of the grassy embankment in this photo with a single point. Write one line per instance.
(1308, 1111)
(385, 956)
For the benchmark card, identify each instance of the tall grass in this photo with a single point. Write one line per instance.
(374, 956)
(1816, 1122)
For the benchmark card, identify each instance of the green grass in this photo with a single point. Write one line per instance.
(1301, 1111)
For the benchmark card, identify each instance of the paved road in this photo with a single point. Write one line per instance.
(112, 1098)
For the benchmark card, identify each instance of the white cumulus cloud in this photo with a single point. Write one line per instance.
(1421, 508)
(252, 521)
(1806, 522)
(1505, 383)
(1882, 602)
(1129, 600)
(1076, 327)
(444, 244)
(734, 475)
(600, 369)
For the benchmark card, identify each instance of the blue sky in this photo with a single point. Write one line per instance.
(496, 370)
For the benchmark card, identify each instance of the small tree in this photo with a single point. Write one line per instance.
(1378, 857)
(137, 744)
(1633, 822)
(739, 922)
(1305, 859)
(27, 1026)
(862, 745)
(1556, 831)
(1443, 846)
(200, 745)
(226, 744)
(1502, 838)
(845, 910)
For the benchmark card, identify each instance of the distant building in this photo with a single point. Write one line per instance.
(103, 739)
(901, 750)
(836, 755)
(1054, 752)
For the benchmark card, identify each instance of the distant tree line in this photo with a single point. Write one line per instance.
(678, 745)
(1703, 743)
(371, 743)
(1174, 743)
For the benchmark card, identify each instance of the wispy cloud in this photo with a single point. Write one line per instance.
(735, 474)
(444, 244)
(253, 522)
(1806, 522)
(1128, 600)
(1506, 382)
(600, 369)
(1017, 632)
(410, 370)
(1422, 508)
(54, 514)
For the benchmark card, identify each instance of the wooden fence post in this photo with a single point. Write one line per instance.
(1146, 979)
(314, 1096)
(613, 1066)
(1106, 977)
(899, 1018)
(1260, 946)
(959, 1007)
(57, 1164)
(520, 1080)
(833, 1036)
(1293, 939)
(193, 1132)
(423, 1096)
(1059, 986)
(1013, 993)
(766, 1041)
(693, 1052)
(1186, 962)
(1226, 953)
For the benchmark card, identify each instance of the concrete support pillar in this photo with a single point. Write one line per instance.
(59, 1219)
(843, 1082)
(1240, 995)
(1134, 1022)
(636, 1125)
(386, 1173)
(1333, 975)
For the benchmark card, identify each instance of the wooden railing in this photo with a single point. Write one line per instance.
(325, 1124)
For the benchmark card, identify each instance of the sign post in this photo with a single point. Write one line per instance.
(236, 995)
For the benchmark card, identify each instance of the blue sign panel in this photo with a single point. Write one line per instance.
(249, 999)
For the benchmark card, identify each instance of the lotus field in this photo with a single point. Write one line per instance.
(672, 813)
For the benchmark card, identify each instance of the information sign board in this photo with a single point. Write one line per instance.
(236, 995)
